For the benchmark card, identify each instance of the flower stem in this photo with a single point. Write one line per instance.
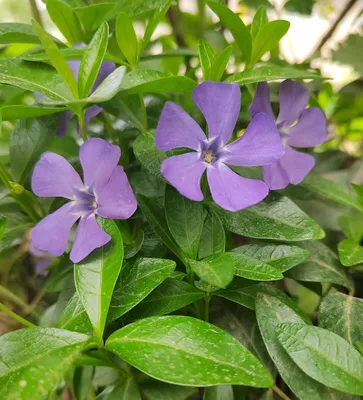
(16, 317)
(82, 125)
(5, 293)
(280, 393)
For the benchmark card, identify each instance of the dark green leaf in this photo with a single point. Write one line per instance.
(222, 392)
(74, 317)
(164, 391)
(195, 353)
(96, 276)
(323, 356)
(259, 20)
(11, 112)
(350, 253)
(94, 15)
(304, 7)
(3, 225)
(82, 381)
(213, 239)
(126, 38)
(126, 389)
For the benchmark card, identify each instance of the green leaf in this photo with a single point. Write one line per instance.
(323, 356)
(270, 73)
(94, 15)
(11, 112)
(3, 225)
(35, 77)
(126, 38)
(352, 226)
(341, 314)
(270, 311)
(321, 266)
(331, 190)
(220, 63)
(169, 296)
(235, 25)
(33, 361)
(267, 38)
(148, 154)
(149, 81)
(109, 87)
(126, 389)
(350, 253)
(196, 353)
(185, 221)
(359, 190)
(74, 317)
(222, 392)
(216, 270)
(275, 218)
(138, 278)
(58, 61)
(163, 391)
(157, 16)
(82, 381)
(260, 19)
(213, 239)
(11, 32)
(304, 7)
(66, 20)
(30, 138)
(206, 57)
(92, 60)
(96, 276)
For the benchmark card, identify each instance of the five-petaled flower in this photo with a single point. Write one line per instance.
(298, 127)
(259, 145)
(105, 192)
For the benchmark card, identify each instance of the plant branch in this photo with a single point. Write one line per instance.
(280, 393)
(16, 317)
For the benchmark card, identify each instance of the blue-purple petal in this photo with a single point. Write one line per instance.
(261, 101)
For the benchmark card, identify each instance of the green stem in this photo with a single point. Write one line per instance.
(144, 113)
(5, 293)
(206, 306)
(82, 125)
(280, 393)
(5, 177)
(16, 317)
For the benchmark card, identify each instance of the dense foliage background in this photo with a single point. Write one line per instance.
(188, 300)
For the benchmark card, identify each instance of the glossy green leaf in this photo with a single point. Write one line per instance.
(126, 389)
(341, 314)
(11, 112)
(94, 15)
(321, 266)
(82, 381)
(34, 360)
(96, 276)
(331, 190)
(195, 352)
(57, 60)
(157, 16)
(323, 356)
(213, 239)
(234, 24)
(267, 38)
(11, 32)
(169, 296)
(30, 138)
(276, 218)
(260, 19)
(270, 73)
(164, 391)
(216, 270)
(352, 226)
(74, 317)
(35, 77)
(138, 278)
(206, 57)
(66, 20)
(222, 392)
(185, 221)
(219, 65)
(350, 253)
(92, 60)
(270, 311)
(126, 38)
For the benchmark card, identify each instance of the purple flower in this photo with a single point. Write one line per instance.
(42, 258)
(309, 131)
(105, 192)
(260, 145)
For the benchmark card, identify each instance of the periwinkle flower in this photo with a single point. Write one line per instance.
(298, 127)
(42, 259)
(105, 191)
(259, 145)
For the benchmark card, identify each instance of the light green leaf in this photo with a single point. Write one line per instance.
(109, 87)
(126, 38)
(34, 360)
(222, 392)
(350, 253)
(11, 112)
(216, 270)
(359, 190)
(13, 32)
(352, 226)
(96, 276)
(213, 239)
(219, 65)
(185, 221)
(323, 356)
(138, 278)
(260, 19)
(206, 57)
(195, 352)
(92, 60)
(275, 218)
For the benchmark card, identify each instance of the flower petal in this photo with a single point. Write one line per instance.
(233, 192)
(261, 101)
(91, 112)
(98, 158)
(220, 104)
(177, 129)
(89, 236)
(74, 65)
(259, 145)
(310, 131)
(294, 98)
(117, 200)
(54, 176)
(184, 172)
(51, 233)
(296, 164)
(275, 176)
(63, 123)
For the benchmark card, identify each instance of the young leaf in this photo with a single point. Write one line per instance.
(92, 60)
(197, 353)
(109, 87)
(213, 239)
(57, 59)
(34, 360)
(185, 221)
(126, 38)
(96, 276)
(276, 218)
(137, 279)
(206, 57)
(350, 253)
(216, 270)
(323, 356)
(259, 21)
(219, 64)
